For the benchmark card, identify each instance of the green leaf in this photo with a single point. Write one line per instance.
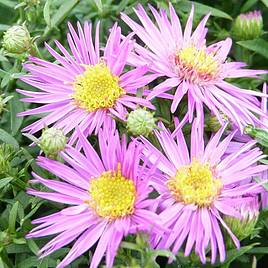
(19, 241)
(8, 3)
(63, 11)
(163, 253)
(264, 185)
(265, 2)
(99, 5)
(259, 250)
(203, 9)
(129, 245)
(31, 137)
(5, 259)
(43, 263)
(5, 181)
(3, 27)
(264, 161)
(7, 138)
(29, 262)
(259, 46)
(6, 79)
(3, 58)
(16, 106)
(32, 246)
(248, 5)
(46, 12)
(234, 254)
(12, 217)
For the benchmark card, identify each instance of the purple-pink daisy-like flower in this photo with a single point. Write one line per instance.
(107, 198)
(241, 139)
(84, 88)
(199, 187)
(193, 68)
(264, 175)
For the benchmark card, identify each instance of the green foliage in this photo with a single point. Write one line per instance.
(46, 21)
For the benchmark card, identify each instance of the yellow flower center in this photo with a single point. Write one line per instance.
(112, 195)
(96, 88)
(196, 65)
(195, 184)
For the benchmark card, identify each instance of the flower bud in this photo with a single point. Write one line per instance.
(17, 40)
(245, 226)
(248, 26)
(140, 122)
(213, 124)
(52, 141)
(259, 134)
(5, 238)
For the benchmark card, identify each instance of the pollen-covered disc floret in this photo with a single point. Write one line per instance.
(96, 88)
(196, 65)
(112, 195)
(195, 184)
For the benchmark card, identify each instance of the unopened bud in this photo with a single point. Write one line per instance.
(259, 134)
(5, 238)
(141, 122)
(248, 26)
(245, 226)
(52, 141)
(213, 124)
(17, 40)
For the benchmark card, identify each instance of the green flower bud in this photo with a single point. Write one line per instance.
(213, 124)
(140, 122)
(259, 134)
(248, 26)
(245, 226)
(17, 40)
(142, 239)
(5, 238)
(52, 141)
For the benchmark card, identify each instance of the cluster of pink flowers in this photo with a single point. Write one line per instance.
(88, 89)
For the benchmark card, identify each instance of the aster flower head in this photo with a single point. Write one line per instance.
(199, 187)
(264, 175)
(85, 88)
(260, 134)
(107, 197)
(192, 67)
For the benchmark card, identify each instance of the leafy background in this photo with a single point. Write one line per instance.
(46, 21)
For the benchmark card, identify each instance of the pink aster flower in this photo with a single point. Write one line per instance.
(264, 175)
(87, 87)
(193, 68)
(107, 199)
(199, 186)
(241, 139)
